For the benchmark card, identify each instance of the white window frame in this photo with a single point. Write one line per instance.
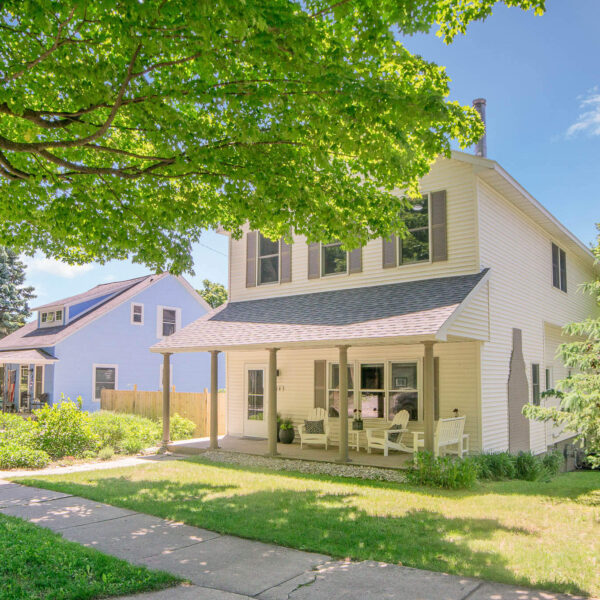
(322, 262)
(103, 366)
(258, 257)
(548, 370)
(44, 317)
(159, 320)
(399, 240)
(356, 364)
(161, 370)
(133, 305)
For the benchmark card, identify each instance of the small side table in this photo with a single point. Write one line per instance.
(354, 438)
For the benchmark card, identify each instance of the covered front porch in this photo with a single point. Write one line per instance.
(383, 350)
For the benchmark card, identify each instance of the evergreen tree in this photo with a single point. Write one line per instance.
(14, 296)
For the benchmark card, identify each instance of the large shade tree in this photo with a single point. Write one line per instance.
(126, 127)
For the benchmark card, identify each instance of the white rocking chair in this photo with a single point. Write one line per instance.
(449, 437)
(316, 414)
(380, 438)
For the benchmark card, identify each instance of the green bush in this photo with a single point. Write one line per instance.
(443, 471)
(15, 429)
(181, 428)
(125, 433)
(553, 461)
(64, 429)
(496, 465)
(529, 467)
(15, 456)
(106, 453)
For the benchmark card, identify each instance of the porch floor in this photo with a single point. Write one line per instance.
(396, 460)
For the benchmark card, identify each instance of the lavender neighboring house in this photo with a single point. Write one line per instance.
(101, 339)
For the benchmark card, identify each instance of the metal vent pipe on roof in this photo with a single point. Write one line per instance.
(481, 148)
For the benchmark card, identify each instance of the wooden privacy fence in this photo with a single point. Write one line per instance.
(192, 406)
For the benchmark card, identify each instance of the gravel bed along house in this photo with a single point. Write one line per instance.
(304, 466)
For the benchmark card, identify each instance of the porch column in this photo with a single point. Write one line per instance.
(343, 448)
(428, 400)
(214, 399)
(272, 402)
(166, 412)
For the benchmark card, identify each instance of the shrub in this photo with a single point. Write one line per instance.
(106, 453)
(17, 430)
(497, 465)
(180, 427)
(529, 467)
(15, 456)
(443, 471)
(552, 462)
(64, 429)
(125, 433)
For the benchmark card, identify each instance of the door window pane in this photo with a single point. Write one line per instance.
(372, 394)
(415, 246)
(105, 380)
(334, 394)
(169, 321)
(256, 395)
(403, 390)
(333, 259)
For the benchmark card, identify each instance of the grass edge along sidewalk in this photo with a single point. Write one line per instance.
(536, 534)
(38, 563)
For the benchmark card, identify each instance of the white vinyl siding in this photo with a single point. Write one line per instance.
(453, 176)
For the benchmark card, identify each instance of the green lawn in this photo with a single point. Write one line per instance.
(545, 535)
(37, 563)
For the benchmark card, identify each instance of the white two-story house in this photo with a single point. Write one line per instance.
(464, 314)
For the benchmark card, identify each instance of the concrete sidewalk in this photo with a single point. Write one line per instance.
(223, 567)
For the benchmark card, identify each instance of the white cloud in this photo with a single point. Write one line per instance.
(589, 119)
(50, 266)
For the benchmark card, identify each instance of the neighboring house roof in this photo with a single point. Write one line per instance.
(388, 313)
(32, 336)
(103, 289)
(26, 357)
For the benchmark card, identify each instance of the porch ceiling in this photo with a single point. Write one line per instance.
(402, 313)
(26, 357)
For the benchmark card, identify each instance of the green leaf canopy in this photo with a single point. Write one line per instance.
(126, 127)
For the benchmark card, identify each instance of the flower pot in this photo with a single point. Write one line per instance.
(286, 436)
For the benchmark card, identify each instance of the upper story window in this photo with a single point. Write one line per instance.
(334, 259)
(415, 246)
(168, 321)
(268, 260)
(559, 268)
(51, 318)
(535, 384)
(137, 314)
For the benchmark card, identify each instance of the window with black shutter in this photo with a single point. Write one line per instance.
(535, 384)
(559, 268)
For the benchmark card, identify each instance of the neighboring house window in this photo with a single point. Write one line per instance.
(39, 381)
(559, 268)
(334, 259)
(105, 378)
(168, 321)
(549, 382)
(268, 260)
(333, 391)
(51, 317)
(160, 376)
(137, 314)
(415, 246)
(535, 384)
(24, 381)
(404, 393)
(372, 390)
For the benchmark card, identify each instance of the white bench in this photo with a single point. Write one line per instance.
(449, 437)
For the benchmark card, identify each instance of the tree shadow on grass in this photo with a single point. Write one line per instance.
(329, 523)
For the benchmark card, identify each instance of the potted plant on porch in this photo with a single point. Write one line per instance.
(286, 431)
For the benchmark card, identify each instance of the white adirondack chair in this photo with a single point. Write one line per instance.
(449, 437)
(316, 414)
(380, 438)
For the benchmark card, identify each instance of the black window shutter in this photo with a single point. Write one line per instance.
(436, 388)
(320, 384)
(251, 259)
(563, 271)
(285, 253)
(389, 252)
(439, 236)
(555, 266)
(355, 261)
(314, 260)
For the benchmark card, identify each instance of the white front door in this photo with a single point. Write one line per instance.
(255, 403)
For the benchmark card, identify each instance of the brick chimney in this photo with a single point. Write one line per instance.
(481, 148)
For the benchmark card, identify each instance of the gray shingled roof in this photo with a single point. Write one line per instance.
(398, 310)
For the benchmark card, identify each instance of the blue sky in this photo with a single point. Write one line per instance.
(541, 79)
